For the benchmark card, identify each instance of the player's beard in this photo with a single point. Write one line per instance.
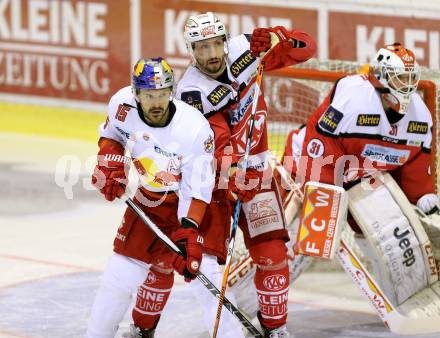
(213, 69)
(157, 116)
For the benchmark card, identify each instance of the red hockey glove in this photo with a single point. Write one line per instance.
(190, 242)
(263, 40)
(244, 188)
(110, 174)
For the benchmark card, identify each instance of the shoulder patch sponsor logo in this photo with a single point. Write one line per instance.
(193, 98)
(416, 127)
(330, 120)
(389, 156)
(368, 120)
(315, 148)
(218, 94)
(242, 62)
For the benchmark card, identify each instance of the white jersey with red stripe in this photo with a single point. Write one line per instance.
(177, 157)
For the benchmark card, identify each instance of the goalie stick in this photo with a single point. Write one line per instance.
(238, 203)
(420, 314)
(389, 314)
(200, 276)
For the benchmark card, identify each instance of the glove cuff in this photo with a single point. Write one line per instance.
(188, 223)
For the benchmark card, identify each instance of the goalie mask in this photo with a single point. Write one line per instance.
(152, 85)
(396, 74)
(204, 27)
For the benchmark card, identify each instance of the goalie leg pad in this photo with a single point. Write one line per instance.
(151, 298)
(120, 280)
(431, 224)
(396, 236)
(271, 282)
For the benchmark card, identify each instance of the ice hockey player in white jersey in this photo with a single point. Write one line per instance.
(171, 146)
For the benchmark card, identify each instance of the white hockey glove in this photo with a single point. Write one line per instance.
(428, 203)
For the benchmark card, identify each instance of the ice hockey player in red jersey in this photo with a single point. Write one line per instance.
(171, 146)
(220, 83)
(377, 119)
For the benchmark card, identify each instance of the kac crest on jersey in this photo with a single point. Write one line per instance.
(240, 137)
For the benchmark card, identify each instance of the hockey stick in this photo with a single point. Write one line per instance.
(200, 276)
(388, 313)
(238, 204)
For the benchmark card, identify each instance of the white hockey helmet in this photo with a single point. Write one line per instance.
(202, 27)
(398, 73)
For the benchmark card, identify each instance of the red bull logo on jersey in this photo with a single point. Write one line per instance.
(386, 155)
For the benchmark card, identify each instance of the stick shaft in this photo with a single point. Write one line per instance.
(238, 204)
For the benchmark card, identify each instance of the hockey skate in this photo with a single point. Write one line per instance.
(136, 332)
(280, 332)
